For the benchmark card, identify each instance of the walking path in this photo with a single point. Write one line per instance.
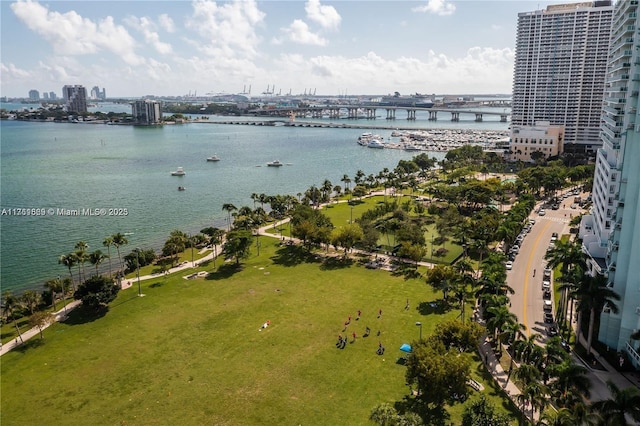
(61, 315)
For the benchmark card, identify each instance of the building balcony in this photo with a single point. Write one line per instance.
(633, 354)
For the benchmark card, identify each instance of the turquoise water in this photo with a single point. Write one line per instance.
(87, 166)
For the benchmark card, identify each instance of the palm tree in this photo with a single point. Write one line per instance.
(68, 260)
(569, 256)
(570, 377)
(527, 350)
(30, 299)
(346, 180)
(228, 207)
(622, 402)
(54, 285)
(81, 254)
(593, 296)
(562, 417)
(96, 258)
(10, 308)
(108, 242)
(500, 317)
(513, 332)
(119, 240)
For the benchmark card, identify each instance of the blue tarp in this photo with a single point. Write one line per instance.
(405, 347)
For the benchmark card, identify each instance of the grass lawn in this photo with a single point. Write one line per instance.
(190, 351)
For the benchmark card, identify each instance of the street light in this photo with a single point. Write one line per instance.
(351, 221)
(138, 270)
(419, 324)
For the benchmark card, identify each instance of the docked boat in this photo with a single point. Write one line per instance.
(214, 157)
(412, 148)
(364, 139)
(179, 172)
(275, 163)
(375, 143)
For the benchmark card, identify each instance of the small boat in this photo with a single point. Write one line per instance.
(375, 143)
(412, 148)
(181, 188)
(214, 157)
(179, 172)
(275, 163)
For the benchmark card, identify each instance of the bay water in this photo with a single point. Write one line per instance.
(121, 174)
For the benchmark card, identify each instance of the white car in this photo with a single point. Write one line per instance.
(509, 265)
(542, 212)
(546, 285)
(548, 306)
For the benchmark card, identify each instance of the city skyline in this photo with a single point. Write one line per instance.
(333, 48)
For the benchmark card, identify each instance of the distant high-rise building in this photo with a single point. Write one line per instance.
(96, 93)
(146, 112)
(34, 95)
(75, 97)
(45, 95)
(52, 95)
(611, 232)
(560, 68)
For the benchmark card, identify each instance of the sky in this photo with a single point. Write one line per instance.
(176, 48)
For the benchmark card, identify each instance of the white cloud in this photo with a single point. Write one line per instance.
(437, 7)
(71, 34)
(326, 16)
(298, 32)
(229, 29)
(147, 27)
(166, 23)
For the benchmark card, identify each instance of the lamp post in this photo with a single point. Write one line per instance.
(419, 324)
(64, 298)
(138, 270)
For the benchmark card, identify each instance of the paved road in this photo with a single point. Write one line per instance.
(527, 302)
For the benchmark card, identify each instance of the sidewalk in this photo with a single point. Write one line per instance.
(60, 316)
(499, 375)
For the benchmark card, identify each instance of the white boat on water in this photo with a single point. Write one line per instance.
(412, 148)
(179, 172)
(214, 157)
(275, 163)
(375, 143)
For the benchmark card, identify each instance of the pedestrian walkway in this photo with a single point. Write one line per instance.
(61, 315)
(501, 377)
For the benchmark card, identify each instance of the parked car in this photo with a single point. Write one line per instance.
(552, 330)
(548, 317)
(565, 345)
(554, 236)
(546, 285)
(509, 265)
(532, 222)
(548, 306)
(542, 212)
(546, 295)
(546, 273)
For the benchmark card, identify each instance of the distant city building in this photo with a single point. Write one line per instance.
(611, 232)
(34, 95)
(560, 69)
(542, 137)
(75, 97)
(96, 93)
(52, 95)
(45, 95)
(146, 112)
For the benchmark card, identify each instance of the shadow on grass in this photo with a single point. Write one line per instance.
(431, 415)
(331, 263)
(33, 343)
(293, 255)
(83, 315)
(437, 307)
(226, 270)
(407, 271)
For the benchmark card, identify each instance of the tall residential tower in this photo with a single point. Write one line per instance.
(75, 97)
(560, 68)
(611, 232)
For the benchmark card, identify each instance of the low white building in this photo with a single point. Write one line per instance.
(542, 137)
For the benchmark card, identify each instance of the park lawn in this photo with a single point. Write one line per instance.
(190, 351)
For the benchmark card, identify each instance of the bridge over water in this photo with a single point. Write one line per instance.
(355, 111)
